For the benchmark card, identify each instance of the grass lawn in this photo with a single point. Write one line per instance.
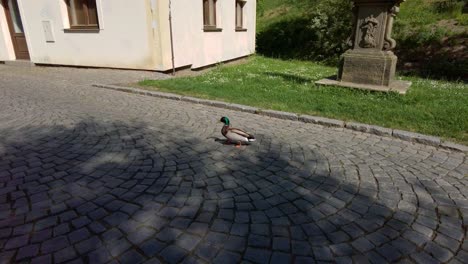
(432, 107)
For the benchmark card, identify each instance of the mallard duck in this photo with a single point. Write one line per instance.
(236, 135)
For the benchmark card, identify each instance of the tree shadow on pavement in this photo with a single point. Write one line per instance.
(100, 191)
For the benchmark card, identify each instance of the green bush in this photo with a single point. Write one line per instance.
(429, 34)
(319, 35)
(448, 6)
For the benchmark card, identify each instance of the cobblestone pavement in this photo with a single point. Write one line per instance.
(95, 176)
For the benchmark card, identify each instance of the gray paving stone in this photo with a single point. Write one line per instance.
(390, 253)
(54, 244)
(27, 252)
(140, 235)
(88, 245)
(132, 256)
(422, 257)
(17, 242)
(117, 247)
(404, 246)
(168, 234)
(440, 253)
(416, 238)
(42, 259)
(342, 249)
(221, 226)
(173, 254)
(78, 235)
(123, 176)
(64, 255)
(281, 243)
(303, 260)
(301, 248)
(259, 241)
(344, 260)
(446, 241)
(188, 242)
(235, 243)
(41, 235)
(362, 244)
(257, 255)
(227, 257)
(206, 251)
(152, 247)
(323, 253)
(279, 257)
(99, 255)
(375, 258)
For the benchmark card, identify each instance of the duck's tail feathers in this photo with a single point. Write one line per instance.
(251, 138)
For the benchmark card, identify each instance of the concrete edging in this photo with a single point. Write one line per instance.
(371, 129)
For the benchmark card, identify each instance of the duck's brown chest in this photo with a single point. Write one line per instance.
(224, 130)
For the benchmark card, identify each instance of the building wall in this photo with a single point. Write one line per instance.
(133, 35)
(193, 46)
(125, 39)
(6, 47)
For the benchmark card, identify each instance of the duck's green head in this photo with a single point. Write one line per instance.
(225, 120)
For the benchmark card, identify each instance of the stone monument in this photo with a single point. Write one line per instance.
(370, 63)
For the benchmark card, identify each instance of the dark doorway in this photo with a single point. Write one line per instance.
(16, 29)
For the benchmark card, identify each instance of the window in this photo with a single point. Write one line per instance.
(209, 15)
(82, 14)
(240, 15)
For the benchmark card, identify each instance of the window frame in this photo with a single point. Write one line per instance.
(240, 3)
(86, 11)
(210, 21)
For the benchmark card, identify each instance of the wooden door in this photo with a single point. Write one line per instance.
(16, 29)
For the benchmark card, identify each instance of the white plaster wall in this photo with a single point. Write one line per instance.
(124, 41)
(193, 46)
(134, 34)
(6, 46)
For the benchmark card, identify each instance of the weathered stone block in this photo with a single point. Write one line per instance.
(374, 68)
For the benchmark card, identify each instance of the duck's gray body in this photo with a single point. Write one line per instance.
(236, 135)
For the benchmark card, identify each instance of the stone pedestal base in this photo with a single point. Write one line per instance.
(369, 70)
(396, 86)
(368, 67)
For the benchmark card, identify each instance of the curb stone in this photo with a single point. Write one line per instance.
(358, 127)
(415, 137)
(242, 108)
(454, 146)
(365, 128)
(278, 114)
(380, 131)
(321, 121)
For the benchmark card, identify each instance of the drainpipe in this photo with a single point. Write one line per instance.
(172, 39)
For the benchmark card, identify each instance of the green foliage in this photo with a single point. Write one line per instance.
(425, 30)
(260, 7)
(432, 107)
(448, 6)
(429, 35)
(318, 34)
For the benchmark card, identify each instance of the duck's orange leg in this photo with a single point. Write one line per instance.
(239, 144)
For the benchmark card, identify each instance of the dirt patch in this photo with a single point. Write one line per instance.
(276, 12)
(447, 58)
(452, 25)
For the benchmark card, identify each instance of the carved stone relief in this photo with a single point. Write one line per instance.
(369, 29)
